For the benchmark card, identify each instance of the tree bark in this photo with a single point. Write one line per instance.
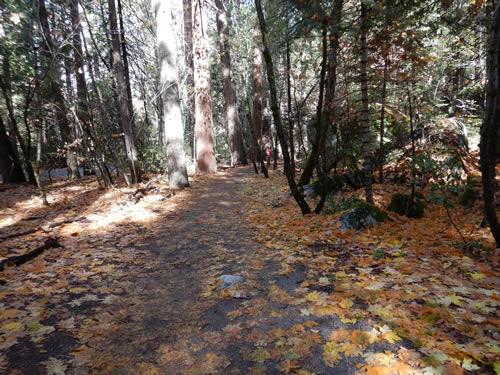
(289, 105)
(236, 148)
(188, 58)
(204, 133)
(489, 129)
(25, 147)
(122, 97)
(365, 121)
(83, 110)
(299, 198)
(257, 91)
(172, 116)
(55, 93)
(10, 167)
(126, 69)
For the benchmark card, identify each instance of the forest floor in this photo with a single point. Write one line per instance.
(136, 288)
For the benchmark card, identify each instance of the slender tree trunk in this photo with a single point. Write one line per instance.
(381, 160)
(25, 147)
(174, 132)
(233, 120)
(83, 109)
(289, 103)
(55, 93)
(327, 114)
(10, 167)
(365, 122)
(188, 58)
(257, 91)
(299, 198)
(121, 88)
(126, 69)
(38, 165)
(204, 132)
(489, 129)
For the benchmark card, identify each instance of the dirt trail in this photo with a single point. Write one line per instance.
(156, 306)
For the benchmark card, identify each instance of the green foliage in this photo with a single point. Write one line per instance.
(379, 253)
(153, 158)
(469, 195)
(380, 215)
(402, 205)
(340, 205)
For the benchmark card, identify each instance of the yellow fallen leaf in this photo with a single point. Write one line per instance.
(346, 303)
(476, 275)
(391, 336)
(14, 326)
(77, 290)
(456, 300)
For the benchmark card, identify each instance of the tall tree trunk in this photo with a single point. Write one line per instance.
(236, 148)
(188, 58)
(10, 168)
(299, 198)
(204, 132)
(327, 114)
(13, 128)
(257, 91)
(365, 122)
(381, 158)
(289, 103)
(122, 97)
(489, 130)
(174, 132)
(55, 93)
(126, 69)
(83, 109)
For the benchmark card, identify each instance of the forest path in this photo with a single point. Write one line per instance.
(143, 294)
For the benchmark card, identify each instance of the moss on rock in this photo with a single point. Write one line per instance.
(401, 204)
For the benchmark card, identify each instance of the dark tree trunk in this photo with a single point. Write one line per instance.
(188, 57)
(489, 130)
(381, 158)
(55, 93)
(299, 198)
(13, 128)
(126, 69)
(289, 103)
(10, 168)
(233, 120)
(83, 110)
(257, 92)
(121, 93)
(365, 121)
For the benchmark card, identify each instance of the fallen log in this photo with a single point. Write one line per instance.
(136, 195)
(44, 228)
(21, 259)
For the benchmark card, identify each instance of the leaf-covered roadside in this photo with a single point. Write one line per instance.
(407, 276)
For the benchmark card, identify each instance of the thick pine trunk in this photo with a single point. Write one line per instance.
(299, 198)
(172, 116)
(365, 122)
(489, 130)
(204, 132)
(121, 93)
(233, 120)
(10, 168)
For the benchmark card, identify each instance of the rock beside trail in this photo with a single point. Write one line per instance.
(361, 215)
